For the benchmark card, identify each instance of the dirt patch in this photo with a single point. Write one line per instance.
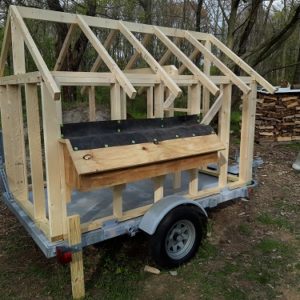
(81, 114)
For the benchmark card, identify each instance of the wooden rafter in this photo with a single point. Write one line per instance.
(111, 64)
(65, 47)
(213, 110)
(192, 56)
(154, 65)
(36, 55)
(54, 16)
(168, 53)
(97, 64)
(184, 59)
(244, 66)
(222, 67)
(136, 55)
(162, 61)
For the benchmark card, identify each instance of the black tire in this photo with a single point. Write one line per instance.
(159, 241)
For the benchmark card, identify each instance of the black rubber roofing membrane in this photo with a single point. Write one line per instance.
(92, 135)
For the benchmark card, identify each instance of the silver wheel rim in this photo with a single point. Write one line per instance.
(180, 239)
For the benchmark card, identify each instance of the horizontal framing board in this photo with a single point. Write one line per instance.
(113, 158)
(106, 78)
(115, 177)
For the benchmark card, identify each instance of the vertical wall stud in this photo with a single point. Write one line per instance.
(247, 134)
(35, 150)
(158, 187)
(150, 102)
(123, 105)
(158, 100)
(54, 165)
(224, 133)
(118, 200)
(206, 94)
(92, 104)
(115, 101)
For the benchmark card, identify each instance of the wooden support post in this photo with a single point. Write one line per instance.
(92, 104)
(177, 180)
(115, 101)
(123, 105)
(76, 266)
(193, 183)
(118, 201)
(194, 99)
(224, 133)
(54, 166)
(58, 105)
(150, 102)
(158, 100)
(169, 113)
(7, 134)
(206, 93)
(247, 134)
(158, 187)
(17, 142)
(35, 150)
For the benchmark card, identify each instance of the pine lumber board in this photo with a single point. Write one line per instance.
(122, 176)
(141, 154)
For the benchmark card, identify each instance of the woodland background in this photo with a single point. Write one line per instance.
(264, 33)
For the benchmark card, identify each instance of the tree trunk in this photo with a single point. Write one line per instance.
(147, 7)
(296, 77)
(74, 55)
(198, 15)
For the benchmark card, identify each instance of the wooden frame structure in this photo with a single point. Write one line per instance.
(163, 84)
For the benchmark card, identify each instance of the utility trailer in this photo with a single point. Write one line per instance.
(73, 185)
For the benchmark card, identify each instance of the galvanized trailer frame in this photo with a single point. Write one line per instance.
(56, 168)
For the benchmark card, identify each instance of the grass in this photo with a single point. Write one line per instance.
(244, 229)
(279, 222)
(292, 146)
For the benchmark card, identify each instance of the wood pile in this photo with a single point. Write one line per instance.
(278, 117)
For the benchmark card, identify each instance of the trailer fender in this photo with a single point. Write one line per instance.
(160, 209)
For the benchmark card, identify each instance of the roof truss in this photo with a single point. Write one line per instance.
(84, 23)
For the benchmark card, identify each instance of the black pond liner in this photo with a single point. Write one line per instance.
(92, 135)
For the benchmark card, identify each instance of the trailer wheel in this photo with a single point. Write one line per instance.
(178, 236)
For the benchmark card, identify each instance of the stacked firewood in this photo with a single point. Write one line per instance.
(278, 117)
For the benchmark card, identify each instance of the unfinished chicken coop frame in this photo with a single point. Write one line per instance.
(68, 167)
